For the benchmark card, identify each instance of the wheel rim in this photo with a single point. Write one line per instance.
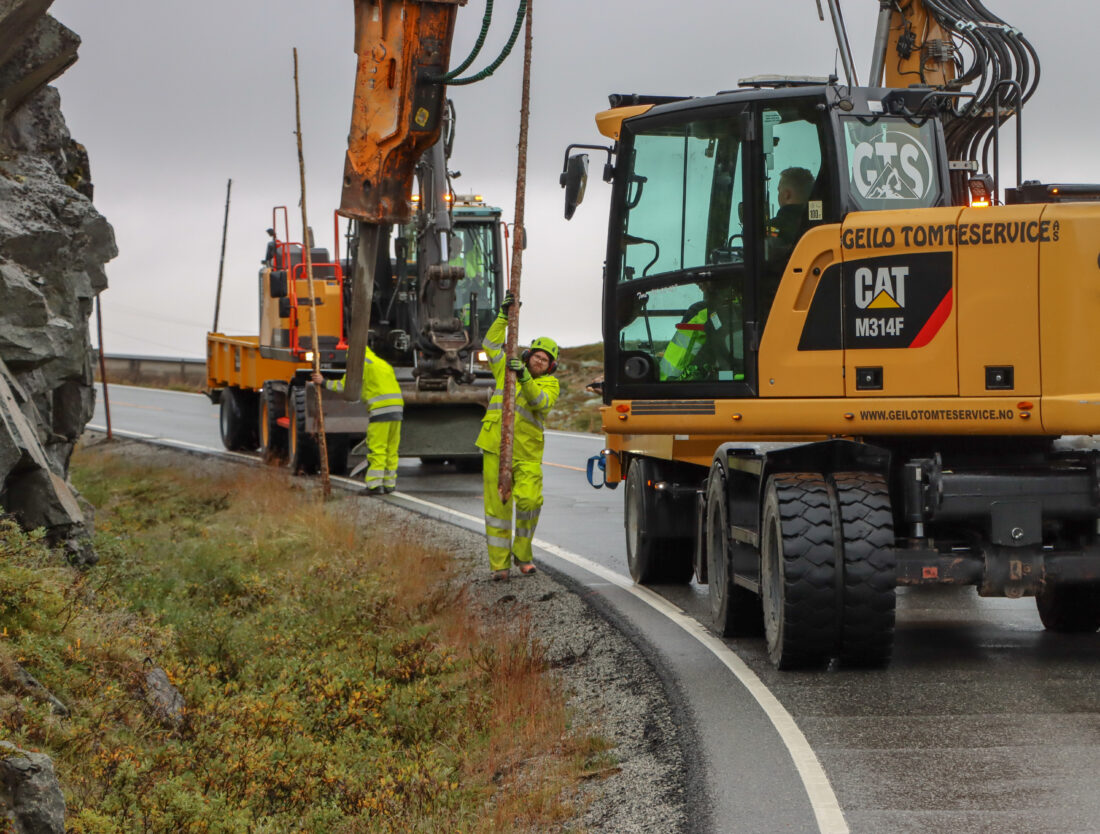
(773, 584)
(717, 562)
(632, 531)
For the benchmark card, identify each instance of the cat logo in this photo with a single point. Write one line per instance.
(896, 166)
(880, 289)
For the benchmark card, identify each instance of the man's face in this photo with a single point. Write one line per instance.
(538, 362)
(785, 193)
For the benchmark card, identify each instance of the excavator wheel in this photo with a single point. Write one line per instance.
(869, 581)
(798, 571)
(302, 452)
(1069, 609)
(273, 437)
(735, 611)
(236, 420)
(652, 560)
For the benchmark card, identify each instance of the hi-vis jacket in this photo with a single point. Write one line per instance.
(534, 399)
(381, 392)
(684, 347)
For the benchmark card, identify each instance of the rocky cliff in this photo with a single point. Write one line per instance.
(53, 245)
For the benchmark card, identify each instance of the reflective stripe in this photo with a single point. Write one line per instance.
(529, 417)
(386, 409)
(495, 406)
(541, 401)
(380, 397)
(492, 345)
(496, 541)
(527, 515)
(524, 532)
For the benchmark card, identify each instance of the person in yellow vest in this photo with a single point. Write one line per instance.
(385, 405)
(536, 393)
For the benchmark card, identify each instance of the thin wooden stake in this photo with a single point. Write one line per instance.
(221, 262)
(307, 245)
(508, 416)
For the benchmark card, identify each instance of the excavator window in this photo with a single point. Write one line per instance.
(892, 163)
(682, 271)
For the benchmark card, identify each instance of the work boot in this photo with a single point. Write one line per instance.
(388, 489)
(374, 490)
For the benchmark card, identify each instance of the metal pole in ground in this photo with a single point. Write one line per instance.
(508, 416)
(102, 363)
(221, 262)
(307, 244)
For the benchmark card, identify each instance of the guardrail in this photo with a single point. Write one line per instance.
(153, 370)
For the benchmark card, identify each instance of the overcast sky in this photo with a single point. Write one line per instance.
(173, 98)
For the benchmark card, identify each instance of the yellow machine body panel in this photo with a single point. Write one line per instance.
(786, 371)
(275, 329)
(898, 300)
(610, 122)
(985, 323)
(998, 299)
(1069, 309)
(235, 361)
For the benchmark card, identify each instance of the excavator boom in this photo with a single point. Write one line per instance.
(403, 49)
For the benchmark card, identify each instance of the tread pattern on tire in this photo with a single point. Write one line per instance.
(808, 556)
(303, 452)
(869, 569)
(274, 401)
(1069, 609)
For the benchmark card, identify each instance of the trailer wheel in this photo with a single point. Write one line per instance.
(236, 431)
(273, 437)
(798, 571)
(1069, 609)
(302, 452)
(652, 560)
(870, 578)
(734, 611)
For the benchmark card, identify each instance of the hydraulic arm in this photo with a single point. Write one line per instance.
(403, 48)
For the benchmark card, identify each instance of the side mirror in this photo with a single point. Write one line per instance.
(574, 179)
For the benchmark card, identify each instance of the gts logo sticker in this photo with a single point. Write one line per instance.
(893, 167)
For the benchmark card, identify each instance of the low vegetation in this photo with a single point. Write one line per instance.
(335, 679)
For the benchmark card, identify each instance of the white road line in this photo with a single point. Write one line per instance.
(830, 819)
(137, 435)
(577, 434)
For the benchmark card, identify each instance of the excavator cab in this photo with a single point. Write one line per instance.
(710, 200)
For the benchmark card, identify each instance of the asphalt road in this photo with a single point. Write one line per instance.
(982, 723)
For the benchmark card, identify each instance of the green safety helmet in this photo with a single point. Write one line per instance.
(547, 346)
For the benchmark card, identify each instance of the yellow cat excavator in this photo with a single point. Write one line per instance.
(839, 357)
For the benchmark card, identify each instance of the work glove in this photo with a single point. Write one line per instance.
(509, 300)
(517, 367)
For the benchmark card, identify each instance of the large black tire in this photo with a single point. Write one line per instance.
(273, 437)
(870, 574)
(1069, 609)
(469, 463)
(652, 560)
(798, 571)
(734, 611)
(303, 454)
(237, 430)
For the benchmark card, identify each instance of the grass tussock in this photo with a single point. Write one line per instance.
(336, 680)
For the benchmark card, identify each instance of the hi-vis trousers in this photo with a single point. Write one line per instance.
(383, 438)
(527, 497)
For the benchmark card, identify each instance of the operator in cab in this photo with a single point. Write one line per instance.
(386, 407)
(536, 392)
